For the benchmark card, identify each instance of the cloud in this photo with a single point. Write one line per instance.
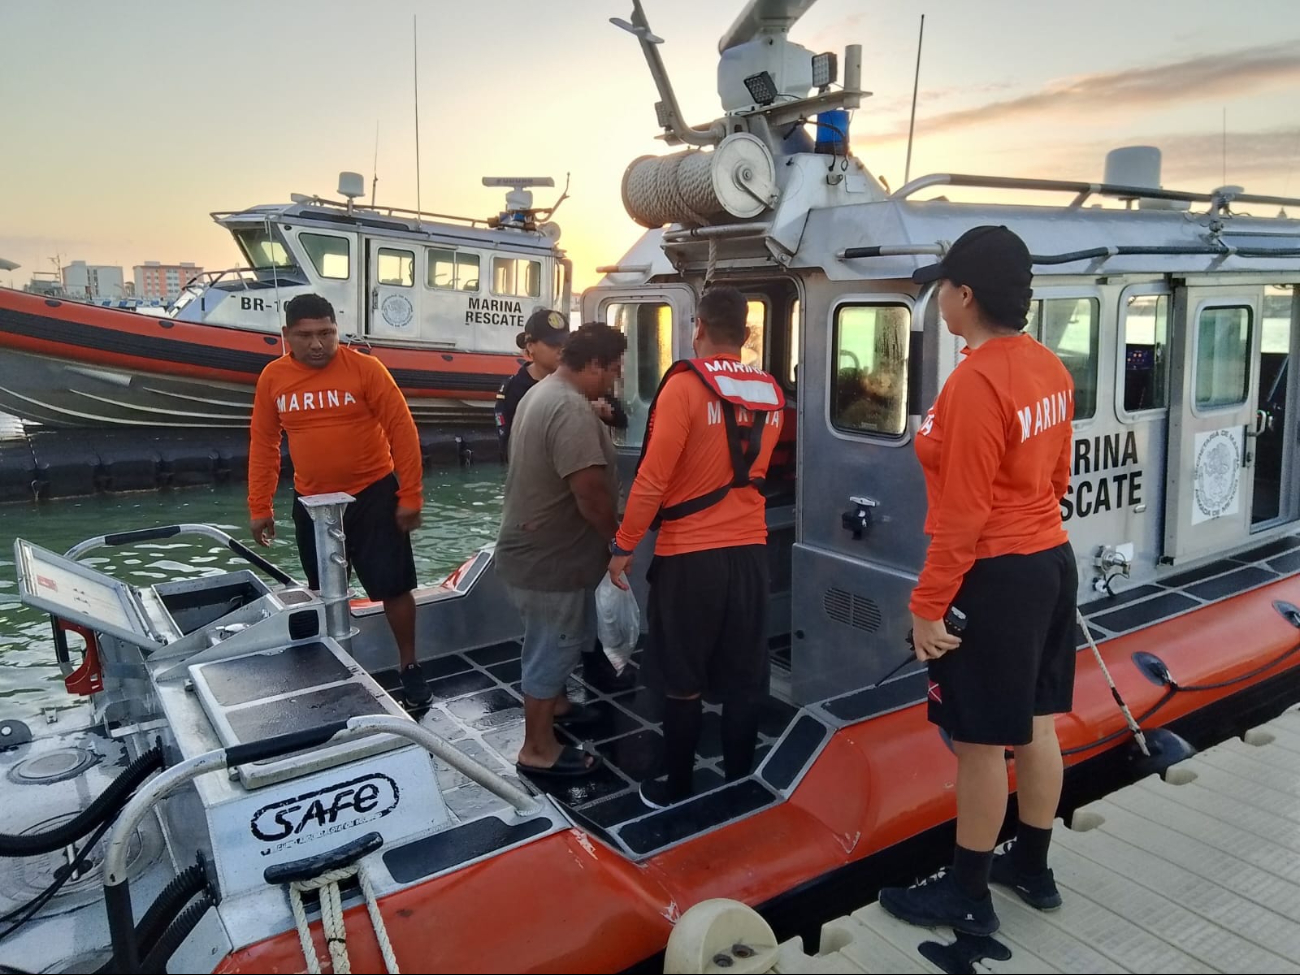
(931, 96)
(1209, 76)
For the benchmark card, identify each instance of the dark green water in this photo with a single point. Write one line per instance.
(461, 508)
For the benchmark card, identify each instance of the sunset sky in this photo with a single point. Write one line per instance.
(125, 124)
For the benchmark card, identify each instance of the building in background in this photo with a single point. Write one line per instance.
(93, 280)
(163, 281)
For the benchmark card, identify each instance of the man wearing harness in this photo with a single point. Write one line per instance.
(713, 426)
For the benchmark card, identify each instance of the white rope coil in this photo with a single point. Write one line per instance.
(677, 188)
(331, 915)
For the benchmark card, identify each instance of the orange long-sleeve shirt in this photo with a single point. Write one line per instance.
(995, 449)
(688, 457)
(348, 426)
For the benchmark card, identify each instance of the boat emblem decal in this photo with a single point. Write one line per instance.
(321, 812)
(397, 311)
(1218, 473)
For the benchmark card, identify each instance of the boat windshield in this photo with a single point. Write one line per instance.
(262, 250)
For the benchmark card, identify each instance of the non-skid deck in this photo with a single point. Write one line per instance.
(478, 706)
(1198, 872)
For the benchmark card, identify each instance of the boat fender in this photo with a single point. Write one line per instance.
(1164, 750)
(720, 935)
(13, 733)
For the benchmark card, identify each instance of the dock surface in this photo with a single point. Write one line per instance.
(1197, 872)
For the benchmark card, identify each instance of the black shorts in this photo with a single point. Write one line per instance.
(378, 550)
(707, 617)
(1016, 658)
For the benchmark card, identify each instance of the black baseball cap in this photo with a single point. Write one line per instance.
(544, 326)
(988, 259)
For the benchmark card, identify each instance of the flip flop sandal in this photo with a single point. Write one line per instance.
(571, 764)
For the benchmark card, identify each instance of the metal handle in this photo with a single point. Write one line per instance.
(858, 520)
(170, 531)
(362, 726)
(117, 888)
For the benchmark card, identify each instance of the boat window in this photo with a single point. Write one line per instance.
(453, 270)
(395, 268)
(869, 391)
(262, 251)
(330, 255)
(1146, 353)
(793, 343)
(558, 285)
(516, 276)
(1275, 319)
(751, 354)
(1223, 357)
(1070, 328)
(648, 326)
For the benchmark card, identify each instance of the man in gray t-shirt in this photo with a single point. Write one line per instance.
(553, 547)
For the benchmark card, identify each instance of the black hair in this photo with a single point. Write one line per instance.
(1008, 308)
(593, 342)
(307, 306)
(723, 311)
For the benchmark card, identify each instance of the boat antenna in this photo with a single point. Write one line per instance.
(916, 81)
(415, 45)
(1225, 145)
(374, 172)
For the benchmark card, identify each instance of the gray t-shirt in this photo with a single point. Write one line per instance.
(545, 543)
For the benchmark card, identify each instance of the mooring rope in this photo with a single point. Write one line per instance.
(331, 914)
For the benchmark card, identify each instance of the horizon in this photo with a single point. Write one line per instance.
(109, 177)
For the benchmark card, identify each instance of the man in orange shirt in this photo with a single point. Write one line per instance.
(712, 429)
(349, 430)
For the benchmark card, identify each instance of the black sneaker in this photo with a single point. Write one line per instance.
(1036, 890)
(939, 902)
(415, 687)
(656, 794)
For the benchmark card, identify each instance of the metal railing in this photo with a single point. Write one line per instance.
(170, 531)
(117, 889)
(1084, 191)
(353, 208)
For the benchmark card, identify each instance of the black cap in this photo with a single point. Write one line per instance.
(991, 260)
(544, 326)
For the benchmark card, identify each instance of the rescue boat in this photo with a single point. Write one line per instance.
(438, 299)
(263, 803)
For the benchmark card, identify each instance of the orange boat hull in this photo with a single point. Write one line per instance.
(568, 903)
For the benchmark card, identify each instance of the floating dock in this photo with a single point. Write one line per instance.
(37, 464)
(1196, 872)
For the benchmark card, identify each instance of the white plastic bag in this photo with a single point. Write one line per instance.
(618, 622)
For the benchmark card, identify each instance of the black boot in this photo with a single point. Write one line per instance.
(598, 672)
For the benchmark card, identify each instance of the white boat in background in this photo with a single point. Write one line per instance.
(438, 299)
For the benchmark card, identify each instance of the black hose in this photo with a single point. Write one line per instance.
(21, 915)
(106, 805)
(167, 905)
(156, 960)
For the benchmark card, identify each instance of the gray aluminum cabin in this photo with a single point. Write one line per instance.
(1175, 312)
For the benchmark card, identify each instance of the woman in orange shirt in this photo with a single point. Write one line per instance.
(995, 450)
